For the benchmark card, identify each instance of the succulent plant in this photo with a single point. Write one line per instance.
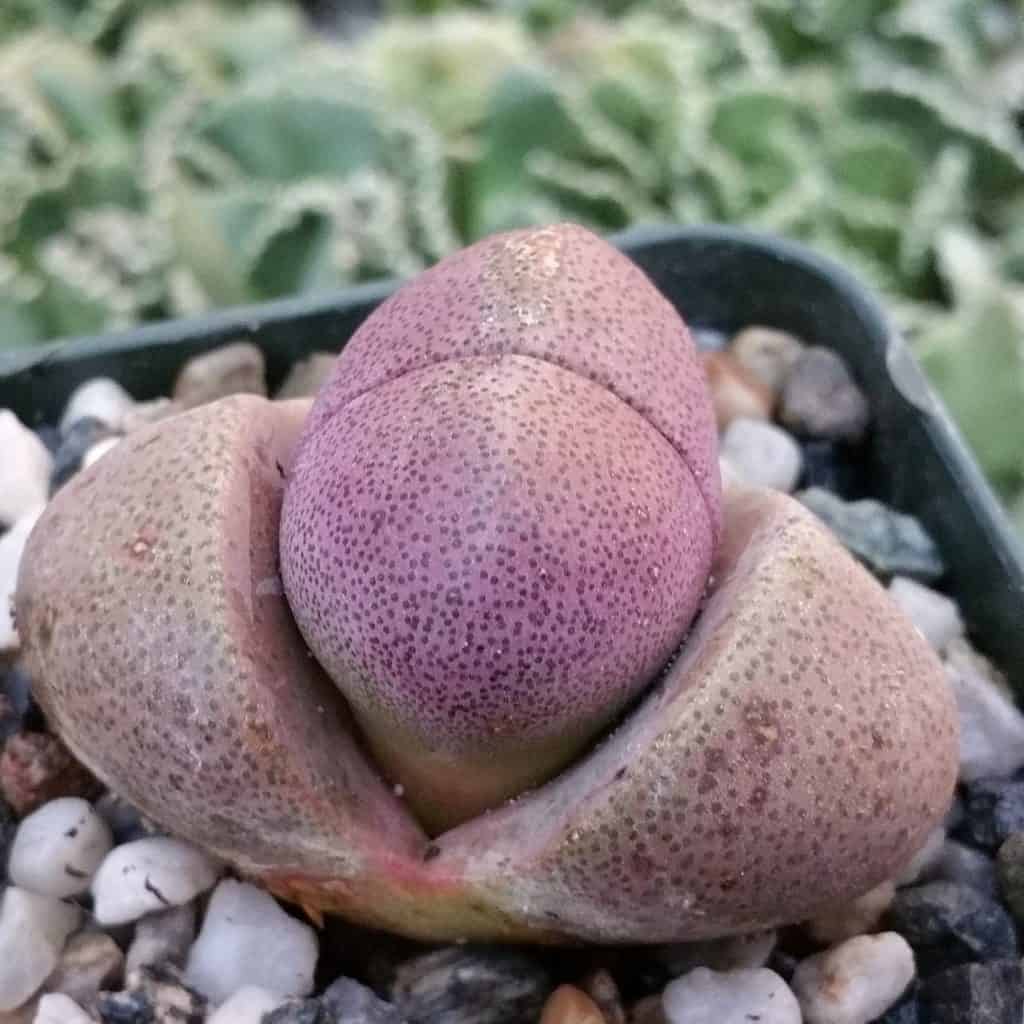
(562, 690)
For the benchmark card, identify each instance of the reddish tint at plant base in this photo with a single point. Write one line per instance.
(502, 515)
(794, 754)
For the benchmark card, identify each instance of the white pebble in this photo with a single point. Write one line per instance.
(102, 399)
(24, 469)
(926, 858)
(936, 616)
(705, 996)
(854, 982)
(148, 875)
(991, 726)
(12, 546)
(98, 450)
(57, 1008)
(246, 1006)
(58, 848)
(762, 454)
(33, 930)
(247, 939)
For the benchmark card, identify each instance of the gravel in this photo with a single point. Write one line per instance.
(856, 981)
(993, 811)
(147, 943)
(99, 399)
(762, 454)
(936, 616)
(246, 1006)
(24, 471)
(821, 400)
(247, 939)
(12, 544)
(890, 543)
(950, 924)
(58, 848)
(147, 875)
(990, 993)
(33, 930)
(704, 996)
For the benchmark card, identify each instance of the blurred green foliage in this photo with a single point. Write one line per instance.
(159, 158)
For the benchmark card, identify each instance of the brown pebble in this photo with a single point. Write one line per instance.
(648, 1010)
(144, 413)
(858, 917)
(24, 1014)
(568, 1005)
(36, 767)
(238, 368)
(601, 987)
(766, 353)
(821, 400)
(735, 392)
(307, 377)
(91, 961)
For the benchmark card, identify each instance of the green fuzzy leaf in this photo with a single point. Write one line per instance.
(80, 293)
(601, 199)
(80, 182)
(747, 120)
(876, 163)
(267, 34)
(209, 232)
(976, 360)
(526, 114)
(444, 68)
(20, 322)
(281, 136)
(940, 201)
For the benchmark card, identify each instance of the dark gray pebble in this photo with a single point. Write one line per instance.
(907, 1010)
(890, 543)
(50, 436)
(830, 466)
(125, 1008)
(297, 1011)
(783, 964)
(18, 709)
(993, 811)
(80, 437)
(471, 986)
(152, 995)
(347, 1002)
(955, 815)
(966, 865)
(8, 826)
(991, 993)
(124, 819)
(949, 924)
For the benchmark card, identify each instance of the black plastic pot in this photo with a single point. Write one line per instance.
(717, 277)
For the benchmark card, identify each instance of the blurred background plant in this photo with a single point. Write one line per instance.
(160, 158)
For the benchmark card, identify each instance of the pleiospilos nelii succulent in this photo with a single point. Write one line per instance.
(367, 652)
